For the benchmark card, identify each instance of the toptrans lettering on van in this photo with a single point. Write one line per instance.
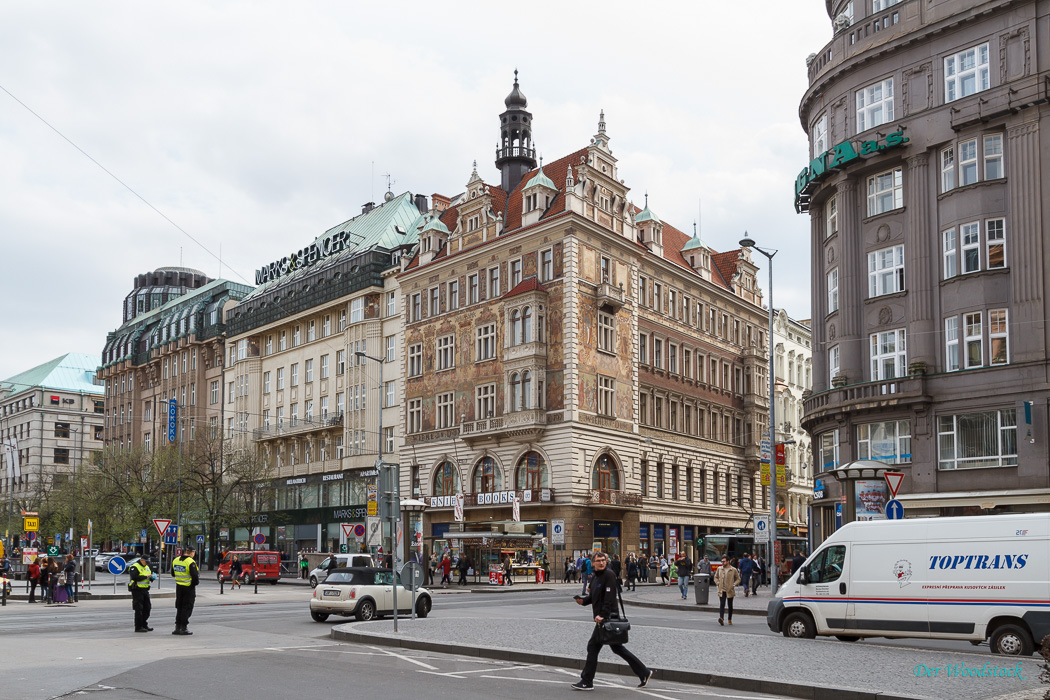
(979, 561)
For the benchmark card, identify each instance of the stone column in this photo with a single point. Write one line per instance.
(1024, 243)
(853, 283)
(921, 264)
(819, 300)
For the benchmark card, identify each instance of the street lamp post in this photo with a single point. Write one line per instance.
(73, 497)
(395, 499)
(748, 242)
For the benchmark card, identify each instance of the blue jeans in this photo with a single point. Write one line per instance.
(683, 585)
(586, 580)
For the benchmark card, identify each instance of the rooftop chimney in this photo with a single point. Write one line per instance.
(421, 203)
(367, 207)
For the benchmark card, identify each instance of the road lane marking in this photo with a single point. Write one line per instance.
(479, 670)
(405, 658)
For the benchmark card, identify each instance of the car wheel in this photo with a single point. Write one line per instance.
(313, 582)
(423, 607)
(846, 638)
(366, 610)
(318, 616)
(799, 625)
(1011, 640)
(273, 583)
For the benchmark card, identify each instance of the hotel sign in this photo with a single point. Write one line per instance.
(841, 155)
(304, 257)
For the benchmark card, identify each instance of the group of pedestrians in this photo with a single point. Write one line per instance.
(57, 580)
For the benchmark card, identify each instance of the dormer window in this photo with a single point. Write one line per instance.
(426, 244)
(474, 223)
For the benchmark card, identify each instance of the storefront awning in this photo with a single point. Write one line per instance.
(982, 499)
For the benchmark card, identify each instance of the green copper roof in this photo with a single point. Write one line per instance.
(646, 215)
(70, 372)
(540, 179)
(693, 243)
(435, 224)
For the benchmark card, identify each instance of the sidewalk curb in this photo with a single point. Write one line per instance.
(691, 608)
(756, 685)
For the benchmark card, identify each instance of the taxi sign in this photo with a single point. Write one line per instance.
(31, 524)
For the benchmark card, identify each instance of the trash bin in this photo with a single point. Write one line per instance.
(702, 588)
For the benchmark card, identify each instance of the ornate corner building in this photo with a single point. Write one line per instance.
(569, 350)
(925, 195)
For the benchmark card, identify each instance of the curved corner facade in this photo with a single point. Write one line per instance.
(925, 195)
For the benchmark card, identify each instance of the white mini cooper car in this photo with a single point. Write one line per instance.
(366, 593)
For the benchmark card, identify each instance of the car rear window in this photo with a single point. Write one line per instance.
(342, 577)
(266, 558)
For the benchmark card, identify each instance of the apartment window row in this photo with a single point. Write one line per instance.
(972, 160)
(705, 317)
(677, 359)
(701, 420)
(983, 341)
(972, 248)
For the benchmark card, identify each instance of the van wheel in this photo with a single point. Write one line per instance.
(1011, 640)
(318, 616)
(273, 583)
(799, 625)
(423, 607)
(366, 610)
(846, 638)
(313, 582)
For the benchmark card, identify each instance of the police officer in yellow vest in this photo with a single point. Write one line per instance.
(141, 577)
(187, 576)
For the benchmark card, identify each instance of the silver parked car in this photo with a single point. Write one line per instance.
(338, 561)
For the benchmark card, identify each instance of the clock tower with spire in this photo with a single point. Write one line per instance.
(515, 154)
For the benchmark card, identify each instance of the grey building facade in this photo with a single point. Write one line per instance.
(925, 193)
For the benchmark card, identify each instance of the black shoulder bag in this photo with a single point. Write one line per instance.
(615, 630)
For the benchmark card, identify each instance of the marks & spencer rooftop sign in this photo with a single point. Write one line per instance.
(304, 257)
(838, 157)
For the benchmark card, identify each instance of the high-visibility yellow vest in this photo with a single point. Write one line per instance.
(143, 570)
(181, 567)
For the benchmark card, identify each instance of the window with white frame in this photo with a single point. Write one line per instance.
(967, 162)
(415, 360)
(416, 307)
(435, 301)
(494, 288)
(658, 297)
(995, 239)
(295, 374)
(885, 192)
(446, 352)
(886, 271)
(282, 341)
(948, 169)
(966, 73)
(875, 105)
(974, 339)
(606, 395)
(880, 5)
(833, 218)
(833, 362)
(473, 295)
(515, 273)
(324, 408)
(309, 371)
(415, 415)
(998, 337)
(606, 332)
(453, 295)
(546, 265)
(215, 389)
(520, 390)
(484, 401)
(391, 348)
(833, 290)
(970, 238)
(280, 378)
(485, 342)
(820, 135)
(326, 326)
(296, 336)
(643, 349)
(342, 320)
(951, 258)
(888, 355)
(887, 441)
(981, 439)
(828, 450)
(951, 343)
(391, 304)
(390, 393)
(340, 362)
(993, 156)
(311, 331)
(643, 288)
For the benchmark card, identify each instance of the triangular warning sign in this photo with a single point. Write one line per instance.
(348, 529)
(894, 480)
(161, 524)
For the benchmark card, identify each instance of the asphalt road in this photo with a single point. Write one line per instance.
(266, 646)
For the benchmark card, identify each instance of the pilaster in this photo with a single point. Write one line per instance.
(921, 263)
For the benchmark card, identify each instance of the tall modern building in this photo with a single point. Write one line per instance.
(169, 348)
(925, 193)
(51, 419)
(577, 369)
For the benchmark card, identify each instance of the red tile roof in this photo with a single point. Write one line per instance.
(556, 171)
(529, 284)
(725, 264)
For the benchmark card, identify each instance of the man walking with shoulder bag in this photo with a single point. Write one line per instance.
(603, 601)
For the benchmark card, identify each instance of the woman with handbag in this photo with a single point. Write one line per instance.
(69, 572)
(34, 579)
(609, 628)
(727, 578)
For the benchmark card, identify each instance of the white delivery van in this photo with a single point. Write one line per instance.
(973, 578)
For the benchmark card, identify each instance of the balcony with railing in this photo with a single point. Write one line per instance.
(610, 295)
(611, 497)
(516, 424)
(290, 428)
(904, 391)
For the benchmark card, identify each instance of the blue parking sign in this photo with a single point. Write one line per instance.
(173, 412)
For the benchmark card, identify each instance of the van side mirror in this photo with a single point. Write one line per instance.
(803, 577)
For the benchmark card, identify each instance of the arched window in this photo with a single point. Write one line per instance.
(526, 325)
(526, 390)
(487, 476)
(605, 476)
(446, 480)
(515, 327)
(515, 391)
(532, 471)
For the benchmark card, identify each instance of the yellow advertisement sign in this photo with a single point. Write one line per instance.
(373, 508)
(781, 474)
(30, 524)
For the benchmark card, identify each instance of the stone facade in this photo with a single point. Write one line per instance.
(793, 366)
(929, 266)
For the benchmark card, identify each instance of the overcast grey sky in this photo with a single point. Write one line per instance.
(255, 125)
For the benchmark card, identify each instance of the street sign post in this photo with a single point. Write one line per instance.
(557, 532)
(171, 534)
(259, 538)
(374, 531)
(761, 529)
(200, 539)
(161, 524)
(31, 524)
(348, 529)
(412, 579)
(894, 509)
(359, 531)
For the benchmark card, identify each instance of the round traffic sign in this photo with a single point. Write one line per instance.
(412, 575)
(260, 538)
(359, 530)
(117, 565)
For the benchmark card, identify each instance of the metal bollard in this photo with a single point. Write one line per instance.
(222, 584)
(256, 577)
(3, 595)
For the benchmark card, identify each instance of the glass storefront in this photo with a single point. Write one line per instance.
(607, 536)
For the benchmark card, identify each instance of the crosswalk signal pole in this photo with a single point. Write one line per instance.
(390, 500)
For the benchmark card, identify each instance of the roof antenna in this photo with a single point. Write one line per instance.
(220, 259)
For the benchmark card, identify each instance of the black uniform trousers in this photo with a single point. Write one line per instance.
(185, 596)
(142, 606)
(590, 667)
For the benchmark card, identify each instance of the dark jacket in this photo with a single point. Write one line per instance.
(602, 597)
(747, 566)
(616, 566)
(797, 563)
(685, 567)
